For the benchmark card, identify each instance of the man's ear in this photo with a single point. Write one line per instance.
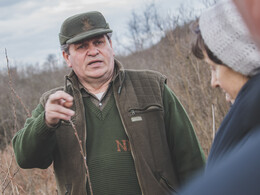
(66, 58)
(110, 42)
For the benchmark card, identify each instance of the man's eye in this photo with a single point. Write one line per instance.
(99, 42)
(81, 46)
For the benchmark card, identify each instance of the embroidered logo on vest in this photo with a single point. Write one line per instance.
(123, 145)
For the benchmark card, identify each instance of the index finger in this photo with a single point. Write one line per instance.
(60, 95)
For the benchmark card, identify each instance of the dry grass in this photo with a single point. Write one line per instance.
(16, 181)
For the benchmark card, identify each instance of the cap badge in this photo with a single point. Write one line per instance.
(86, 24)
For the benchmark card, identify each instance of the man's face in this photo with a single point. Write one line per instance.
(92, 60)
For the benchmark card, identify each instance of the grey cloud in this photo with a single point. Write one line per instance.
(6, 3)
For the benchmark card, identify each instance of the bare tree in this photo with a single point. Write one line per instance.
(51, 62)
(148, 26)
(145, 28)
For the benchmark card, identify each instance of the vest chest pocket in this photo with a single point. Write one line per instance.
(136, 114)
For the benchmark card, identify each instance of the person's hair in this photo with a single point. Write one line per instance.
(109, 35)
(200, 46)
(66, 46)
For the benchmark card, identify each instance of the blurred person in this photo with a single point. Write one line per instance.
(233, 165)
(250, 11)
(136, 136)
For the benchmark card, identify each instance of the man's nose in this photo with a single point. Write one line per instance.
(92, 50)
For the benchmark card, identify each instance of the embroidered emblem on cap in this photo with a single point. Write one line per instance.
(86, 24)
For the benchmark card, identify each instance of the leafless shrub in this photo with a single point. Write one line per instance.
(13, 179)
(144, 29)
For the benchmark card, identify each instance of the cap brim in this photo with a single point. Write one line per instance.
(88, 35)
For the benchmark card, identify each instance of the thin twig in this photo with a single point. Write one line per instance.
(9, 175)
(82, 153)
(11, 179)
(213, 121)
(12, 88)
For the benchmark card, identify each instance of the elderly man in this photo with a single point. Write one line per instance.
(136, 136)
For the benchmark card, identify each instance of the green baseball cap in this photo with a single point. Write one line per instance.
(83, 26)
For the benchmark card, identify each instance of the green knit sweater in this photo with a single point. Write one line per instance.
(109, 159)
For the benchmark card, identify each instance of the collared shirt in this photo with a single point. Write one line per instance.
(100, 103)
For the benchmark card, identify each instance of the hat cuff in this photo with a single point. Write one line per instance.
(87, 35)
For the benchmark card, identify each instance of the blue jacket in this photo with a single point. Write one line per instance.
(233, 165)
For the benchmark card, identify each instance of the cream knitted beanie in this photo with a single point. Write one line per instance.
(226, 35)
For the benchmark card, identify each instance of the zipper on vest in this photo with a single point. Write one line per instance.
(167, 183)
(132, 112)
(137, 174)
(149, 108)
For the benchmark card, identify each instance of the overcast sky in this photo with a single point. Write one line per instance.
(29, 28)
